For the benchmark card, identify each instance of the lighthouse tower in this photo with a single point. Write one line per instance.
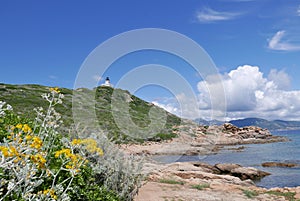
(107, 82)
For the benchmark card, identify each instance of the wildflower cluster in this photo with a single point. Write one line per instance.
(73, 161)
(48, 192)
(36, 163)
(90, 145)
(39, 163)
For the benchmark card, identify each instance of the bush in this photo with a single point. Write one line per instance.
(287, 195)
(250, 193)
(39, 163)
(171, 181)
(201, 186)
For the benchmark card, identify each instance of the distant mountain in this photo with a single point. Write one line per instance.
(263, 123)
(201, 121)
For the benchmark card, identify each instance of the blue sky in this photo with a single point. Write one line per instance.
(46, 42)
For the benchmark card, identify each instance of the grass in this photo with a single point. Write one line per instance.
(250, 193)
(24, 98)
(200, 186)
(288, 195)
(171, 181)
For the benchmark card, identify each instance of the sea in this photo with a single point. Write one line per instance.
(253, 155)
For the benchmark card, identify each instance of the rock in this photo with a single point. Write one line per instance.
(276, 164)
(243, 173)
(226, 168)
(238, 149)
(230, 127)
(248, 173)
(207, 168)
(196, 174)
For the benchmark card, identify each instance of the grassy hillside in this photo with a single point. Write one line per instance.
(24, 98)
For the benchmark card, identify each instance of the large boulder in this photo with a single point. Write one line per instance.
(248, 173)
(241, 172)
(226, 168)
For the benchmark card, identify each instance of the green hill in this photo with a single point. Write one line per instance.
(24, 98)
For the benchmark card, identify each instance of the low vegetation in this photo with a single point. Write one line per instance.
(288, 195)
(24, 98)
(171, 181)
(200, 186)
(250, 193)
(40, 162)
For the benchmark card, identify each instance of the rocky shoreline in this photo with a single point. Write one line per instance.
(203, 140)
(200, 181)
(194, 181)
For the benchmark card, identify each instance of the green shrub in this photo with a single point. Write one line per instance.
(40, 163)
(288, 195)
(250, 193)
(201, 186)
(171, 181)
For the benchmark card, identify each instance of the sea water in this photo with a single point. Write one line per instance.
(254, 155)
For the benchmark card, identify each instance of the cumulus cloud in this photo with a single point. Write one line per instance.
(170, 107)
(281, 78)
(277, 43)
(208, 15)
(250, 94)
(180, 105)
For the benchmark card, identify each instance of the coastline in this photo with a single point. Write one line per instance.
(179, 180)
(203, 140)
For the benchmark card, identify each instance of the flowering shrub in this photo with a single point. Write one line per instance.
(38, 163)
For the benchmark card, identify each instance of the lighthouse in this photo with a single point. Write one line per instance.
(107, 82)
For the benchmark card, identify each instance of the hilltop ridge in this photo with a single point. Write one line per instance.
(24, 98)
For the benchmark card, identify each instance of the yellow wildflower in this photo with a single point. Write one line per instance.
(13, 151)
(9, 151)
(4, 151)
(19, 126)
(37, 142)
(68, 166)
(55, 90)
(26, 128)
(51, 192)
(39, 160)
(76, 141)
(91, 146)
(28, 137)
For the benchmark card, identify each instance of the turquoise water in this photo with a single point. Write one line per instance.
(256, 154)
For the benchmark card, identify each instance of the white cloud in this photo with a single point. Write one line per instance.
(97, 78)
(248, 93)
(280, 78)
(168, 107)
(298, 11)
(208, 15)
(181, 105)
(276, 43)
